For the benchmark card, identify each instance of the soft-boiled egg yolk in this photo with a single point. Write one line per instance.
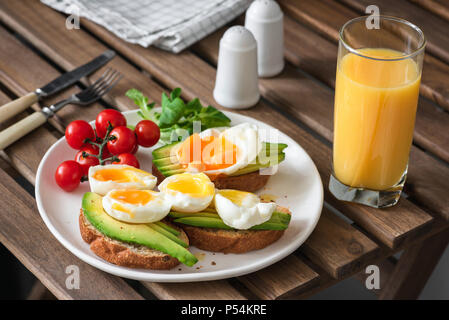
(220, 152)
(103, 179)
(242, 210)
(188, 192)
(208, 153)
(136, 206)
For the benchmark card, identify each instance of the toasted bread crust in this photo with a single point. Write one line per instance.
(123, 254)
(249, 182)
(232, 241)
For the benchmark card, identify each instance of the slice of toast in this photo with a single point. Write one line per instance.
(249, 182)
(232, 241)
(126, 254)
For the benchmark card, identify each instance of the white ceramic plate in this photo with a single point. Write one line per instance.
(296, 185)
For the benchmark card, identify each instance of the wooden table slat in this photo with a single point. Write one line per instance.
(217, 290)
(438, 7)
(434, 27)
(337, 247)
(297, 278)
(20, 75)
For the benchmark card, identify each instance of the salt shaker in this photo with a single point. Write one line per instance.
(265, 20)
(236, 84)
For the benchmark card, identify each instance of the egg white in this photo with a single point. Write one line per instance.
(188, 202)
(249, 213)
(247, 139)
(154, 210)
(146, 181)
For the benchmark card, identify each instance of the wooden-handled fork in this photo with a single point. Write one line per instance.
(89, 95)
(63, 81)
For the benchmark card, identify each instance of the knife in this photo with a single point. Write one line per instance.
(67, 79)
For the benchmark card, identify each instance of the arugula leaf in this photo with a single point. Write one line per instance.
(193, 106)
(137, 96)
(177, 117)
(211, 117)
(142, 101)
(172, 110)
(176, 93)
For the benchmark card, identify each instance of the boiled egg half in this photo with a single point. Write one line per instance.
(103, 179)
(220, 151)
(188, 192)
(136, 206)
(242, 210)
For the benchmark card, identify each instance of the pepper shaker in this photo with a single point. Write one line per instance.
(236, 84)
(264, 18)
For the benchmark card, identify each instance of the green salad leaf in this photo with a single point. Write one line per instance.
(177, 117)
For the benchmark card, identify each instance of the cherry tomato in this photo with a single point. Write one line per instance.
(124, 142)
(106, 153)
(147, 133)
(77, 132)
(89, 161)
(104, 117)
(129, 159)
(135, 149)
(68, 175)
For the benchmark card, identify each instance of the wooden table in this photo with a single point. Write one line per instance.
(36, 47)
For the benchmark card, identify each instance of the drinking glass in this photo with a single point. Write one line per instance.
(376, 97)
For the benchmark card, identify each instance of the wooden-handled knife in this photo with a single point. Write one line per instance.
(67, 79)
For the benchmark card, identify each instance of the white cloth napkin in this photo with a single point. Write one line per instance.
(172, 25)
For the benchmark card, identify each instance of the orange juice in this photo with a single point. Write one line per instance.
(375, 108)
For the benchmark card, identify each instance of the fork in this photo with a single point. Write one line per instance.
(89, 95)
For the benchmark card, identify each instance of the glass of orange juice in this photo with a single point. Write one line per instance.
(376, 97)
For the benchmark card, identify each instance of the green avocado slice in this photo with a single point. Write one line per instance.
(174, 214)
(204, 222)
(278, 221)
(132, 233)
(168, 228)
(271, 154)
(168, 234)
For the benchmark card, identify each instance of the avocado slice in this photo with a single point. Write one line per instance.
(168, 234)
(168, 228)
(167, 164)
(164, 151)
(272, 160)
(163, 162)
(205, 222)
(174, 214)
(278, 221)
(132, 233)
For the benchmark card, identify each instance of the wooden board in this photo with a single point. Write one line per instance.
(298, 278)
(438, 7)
(339, 248)
(217, 290)
(434, 27)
